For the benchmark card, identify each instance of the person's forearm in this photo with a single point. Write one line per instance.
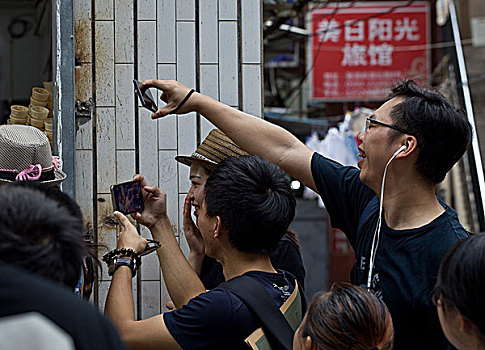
(146, 334)
(180, 278)
(119, 306)
(259, 137)
(253, 134)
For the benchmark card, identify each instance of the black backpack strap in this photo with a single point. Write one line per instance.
(259, 302)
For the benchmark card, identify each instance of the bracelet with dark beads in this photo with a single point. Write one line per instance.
(108, 257)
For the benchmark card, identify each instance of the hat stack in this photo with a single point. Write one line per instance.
(216, 147)
(39, 113)
(18, 115)
(49, 86)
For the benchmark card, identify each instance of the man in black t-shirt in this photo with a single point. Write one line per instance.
(416, 136)
(242, 215)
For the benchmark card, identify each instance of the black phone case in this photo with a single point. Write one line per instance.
(126, 208)
(141, 97)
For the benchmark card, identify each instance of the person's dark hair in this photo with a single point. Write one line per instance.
(253, 199)
(91, 263)
(442, 131)
(461, 280)
(348, 317)
(39, 234)
(54, 193)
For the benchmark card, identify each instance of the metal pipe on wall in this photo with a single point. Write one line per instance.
(64, 92)
(468, 102)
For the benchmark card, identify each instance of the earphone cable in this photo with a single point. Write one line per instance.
(377, 232)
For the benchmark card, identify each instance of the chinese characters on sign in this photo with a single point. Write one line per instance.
(362, 49)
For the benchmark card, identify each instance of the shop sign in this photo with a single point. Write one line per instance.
(359, 50)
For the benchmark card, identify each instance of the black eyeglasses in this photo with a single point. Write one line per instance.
(370, 120)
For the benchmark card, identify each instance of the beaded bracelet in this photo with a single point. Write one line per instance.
(110, 256)
(124, 251)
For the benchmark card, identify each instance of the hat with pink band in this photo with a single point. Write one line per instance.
(25, 155)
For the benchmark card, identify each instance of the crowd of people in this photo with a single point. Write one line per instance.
(416, 283)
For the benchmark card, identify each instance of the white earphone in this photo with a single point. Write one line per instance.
(377, 232)
(402, 148)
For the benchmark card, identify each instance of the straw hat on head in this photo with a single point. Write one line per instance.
(25, 155)
(214, 149)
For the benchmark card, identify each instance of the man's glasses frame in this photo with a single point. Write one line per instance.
(370, 120)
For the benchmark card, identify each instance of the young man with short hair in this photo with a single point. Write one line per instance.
(247, 207)
(399, 236)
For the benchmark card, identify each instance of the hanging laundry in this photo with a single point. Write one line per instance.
(340, 144)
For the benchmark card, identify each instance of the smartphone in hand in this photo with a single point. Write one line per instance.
(127, 197)
(146, 98)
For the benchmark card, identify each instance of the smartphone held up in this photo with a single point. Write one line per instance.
(127, 197)
(146, 98)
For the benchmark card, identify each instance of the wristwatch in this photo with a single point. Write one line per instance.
(121, 261)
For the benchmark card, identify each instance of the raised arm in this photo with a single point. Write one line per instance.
(253, 134)
(180, 278)
(145, 334)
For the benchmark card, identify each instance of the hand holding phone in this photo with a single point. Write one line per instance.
(174, 94)
(146, 99)
(127, 197)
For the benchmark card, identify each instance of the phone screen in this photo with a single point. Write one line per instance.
(146, 99)
(127, 197)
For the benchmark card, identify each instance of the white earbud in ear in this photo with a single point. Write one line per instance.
(402, 148)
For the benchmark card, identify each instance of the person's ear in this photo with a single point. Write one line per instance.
(408, 146)
(217, 226)
(308, 343)
(465, 325)
(411, 144)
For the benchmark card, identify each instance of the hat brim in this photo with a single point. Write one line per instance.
(188, 160)
(59, 177)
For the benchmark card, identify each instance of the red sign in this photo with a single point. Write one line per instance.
(361, 49)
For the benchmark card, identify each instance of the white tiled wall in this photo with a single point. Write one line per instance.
(211, 45)
(228, 63)
(208, 27)
(228, 10)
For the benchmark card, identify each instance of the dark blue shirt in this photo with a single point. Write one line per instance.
(286, 257)
(407, 261)
(220, 320)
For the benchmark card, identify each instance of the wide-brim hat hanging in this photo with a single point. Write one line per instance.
(216, 147)
(26, 155)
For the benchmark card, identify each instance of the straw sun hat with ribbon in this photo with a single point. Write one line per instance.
(216, 147)
(25, 155)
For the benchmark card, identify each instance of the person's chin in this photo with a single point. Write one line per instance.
(360, 163)
(366, 179)
(209, 253)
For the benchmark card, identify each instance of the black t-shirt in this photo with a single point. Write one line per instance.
(47, 314)
(220, 320)
(286, 257)
(407, 261)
